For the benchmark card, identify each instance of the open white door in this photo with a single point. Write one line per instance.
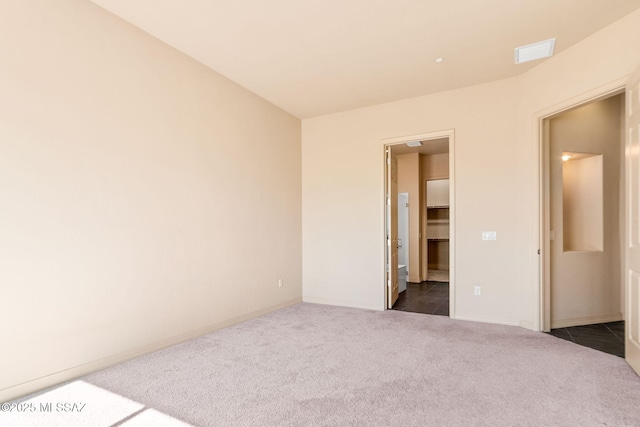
(632, 267)
(392, 237)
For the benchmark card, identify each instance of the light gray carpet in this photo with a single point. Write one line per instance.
(313, 365)
(79, 404)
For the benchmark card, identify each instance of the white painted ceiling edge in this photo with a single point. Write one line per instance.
(316, 57)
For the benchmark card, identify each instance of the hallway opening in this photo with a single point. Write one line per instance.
(583, 192)
(419, 225)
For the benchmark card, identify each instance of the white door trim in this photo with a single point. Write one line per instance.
(542, 284)
(405, 235)
(450, 134)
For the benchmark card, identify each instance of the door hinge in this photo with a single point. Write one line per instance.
(538, 251)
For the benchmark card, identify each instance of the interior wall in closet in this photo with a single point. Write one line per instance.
(435, 251)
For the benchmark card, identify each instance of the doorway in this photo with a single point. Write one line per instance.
(411, 164)
(403, 241)
(583, 152)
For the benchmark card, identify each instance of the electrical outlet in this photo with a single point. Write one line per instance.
(279, 283)
(489, 235)
(476, 290)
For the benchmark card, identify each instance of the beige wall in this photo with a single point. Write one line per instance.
(409, 182)
(145, 198)
(435, 166)
(497, 180)
(486, 202)
(598, 64)
(582, 204)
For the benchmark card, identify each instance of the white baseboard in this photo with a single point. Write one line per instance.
(341, 303)
(590, 320)
(527, 324)
(37, 384)
(495, 321)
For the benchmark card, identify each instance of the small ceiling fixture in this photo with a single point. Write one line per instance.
(439, 60)
(414, 144)
(531, 52)
(566, 157)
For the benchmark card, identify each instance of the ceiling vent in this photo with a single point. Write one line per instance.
(534, 51)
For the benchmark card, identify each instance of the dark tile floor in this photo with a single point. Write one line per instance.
(426, 297)
(607, 337)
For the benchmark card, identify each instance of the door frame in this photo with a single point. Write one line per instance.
(389, 142)
(405, 237)
(542, 291)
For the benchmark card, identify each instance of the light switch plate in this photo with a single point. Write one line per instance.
(489, 235)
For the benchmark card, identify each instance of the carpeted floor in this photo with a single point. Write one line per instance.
(79, 404)
(314, 365)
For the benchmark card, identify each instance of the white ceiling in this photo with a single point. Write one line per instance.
(313, 57)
